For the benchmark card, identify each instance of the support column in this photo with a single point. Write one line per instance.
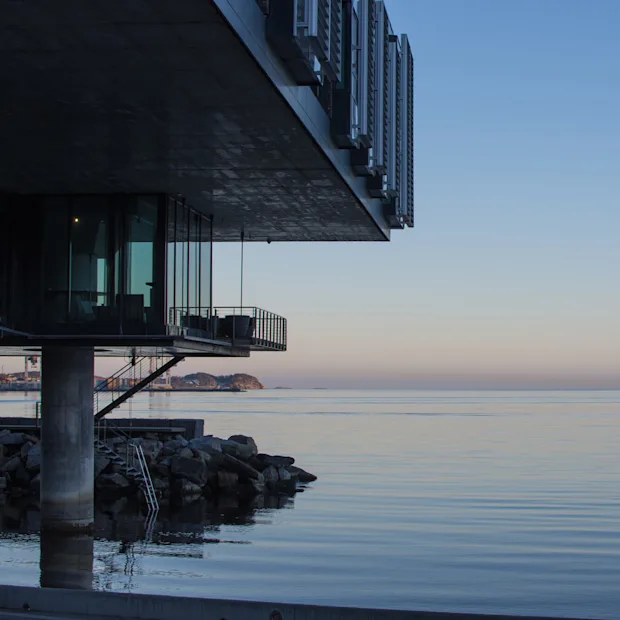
(67, 431)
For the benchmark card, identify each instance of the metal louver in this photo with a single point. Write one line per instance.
(407, 137)
(395, 119)
(380, 154)
(318, 28)
(367, 45)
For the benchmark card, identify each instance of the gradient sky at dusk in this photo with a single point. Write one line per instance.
(512, 274)
(511, 277)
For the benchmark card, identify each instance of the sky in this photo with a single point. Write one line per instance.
(511, 275)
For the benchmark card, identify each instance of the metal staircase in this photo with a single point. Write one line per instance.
(133, 463)
(137, 374)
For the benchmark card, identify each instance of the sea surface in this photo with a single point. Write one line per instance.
(493, 502)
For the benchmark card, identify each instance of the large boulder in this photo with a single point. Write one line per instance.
(209, 444)
(11, 464)
(21, 477)
(112, 482)
(23, 452)
(11, 439)
(270, 474)
(186, 488)
(301, 474)
(186, 453)
(276, 461)
(238, 450)
(35, 485)
(170, 448)
(190, 469)
(33, 459)
(161, 470)
(245, 471)
(205, 457)
(151, 448)
(101, 462)
(227, 480)
(245, 441)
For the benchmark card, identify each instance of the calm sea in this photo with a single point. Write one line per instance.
(456, 501)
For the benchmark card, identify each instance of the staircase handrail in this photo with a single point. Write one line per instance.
(121, 371)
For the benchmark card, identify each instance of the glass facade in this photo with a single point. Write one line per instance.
(188, 269)
(103, 265)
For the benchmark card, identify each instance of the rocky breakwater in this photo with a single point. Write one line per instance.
(183, 471)
(20, 464)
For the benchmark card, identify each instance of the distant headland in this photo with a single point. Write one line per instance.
(204, 381)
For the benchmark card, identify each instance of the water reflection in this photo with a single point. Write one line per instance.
(124, 536)
(66, 561)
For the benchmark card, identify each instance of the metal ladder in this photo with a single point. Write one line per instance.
(140, 474)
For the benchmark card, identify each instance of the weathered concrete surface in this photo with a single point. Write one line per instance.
(57, 603)
(67, 428)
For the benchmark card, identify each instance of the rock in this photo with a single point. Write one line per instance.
(11, 439)
(253, 487)
(35, 485)
(161, 470)
(190, 469)
(31, 438)
(246, 441)
(283, 475)
(101, 462)
(245, 472)
(270, 475)
(203, 456)
(112, 481)
(151, 448)
(276, 461)
(185, 488)
(186, 453)
(238, 450)
(33, 462)
(227, 480)
(20, 476)
(161, 485)
(25, 449)
(11, 464)
(3, 483)
(302, 475)
(173, 446)
(207, 444)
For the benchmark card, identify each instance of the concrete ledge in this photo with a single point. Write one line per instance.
(20, 602)
(189, 428)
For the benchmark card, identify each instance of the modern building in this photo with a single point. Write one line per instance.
(136, 134)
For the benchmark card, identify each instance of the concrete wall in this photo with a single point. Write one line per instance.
(193, 428)
(62, 603)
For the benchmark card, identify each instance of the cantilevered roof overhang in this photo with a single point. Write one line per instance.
(182, 97)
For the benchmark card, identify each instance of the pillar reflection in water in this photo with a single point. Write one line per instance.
(66, 561)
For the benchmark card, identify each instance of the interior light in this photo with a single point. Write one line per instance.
(76, 219)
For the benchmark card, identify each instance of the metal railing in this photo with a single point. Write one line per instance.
(246, 326)
(136, 370)
(133, 458)
(148, 488)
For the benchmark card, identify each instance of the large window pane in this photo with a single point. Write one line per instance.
(88, 257)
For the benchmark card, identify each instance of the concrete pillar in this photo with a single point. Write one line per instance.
(67, 430)
(66, 560)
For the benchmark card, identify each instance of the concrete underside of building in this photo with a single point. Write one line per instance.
(174, 98)
(19, 602)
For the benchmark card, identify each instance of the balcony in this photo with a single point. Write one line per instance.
(242, 327)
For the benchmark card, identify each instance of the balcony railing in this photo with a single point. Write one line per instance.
(250, 327)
